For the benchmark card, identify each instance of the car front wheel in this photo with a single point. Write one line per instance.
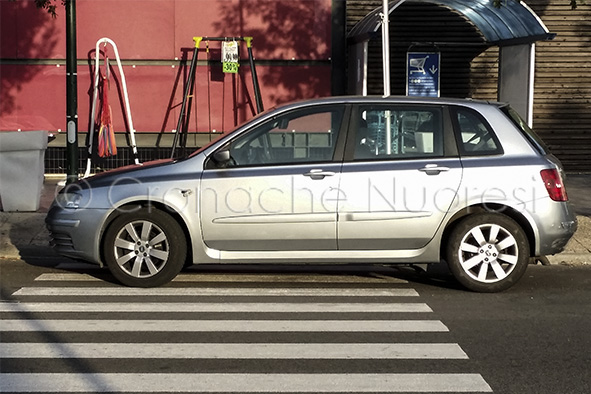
(487, 252)
(146, 248)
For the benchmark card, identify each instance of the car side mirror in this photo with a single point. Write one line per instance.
(221, 157)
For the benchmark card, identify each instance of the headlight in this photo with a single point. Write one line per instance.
(68, 200)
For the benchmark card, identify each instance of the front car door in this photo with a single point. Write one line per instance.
(279, 191)
(399, 179)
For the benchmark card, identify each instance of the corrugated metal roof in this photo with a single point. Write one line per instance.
(513, 22)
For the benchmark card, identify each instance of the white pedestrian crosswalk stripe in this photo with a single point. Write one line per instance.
(244, 383)
(349, 313)
(215, 291)
(224, 325)
(235, 350)
(216, 278)
(152, 307)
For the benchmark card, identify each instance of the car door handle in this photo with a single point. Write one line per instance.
(433, 169)
(318, 174)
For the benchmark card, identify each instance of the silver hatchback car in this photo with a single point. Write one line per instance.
(336, 180)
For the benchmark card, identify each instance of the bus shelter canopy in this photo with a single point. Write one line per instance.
(512, 23)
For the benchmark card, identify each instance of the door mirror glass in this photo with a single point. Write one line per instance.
(221, 157)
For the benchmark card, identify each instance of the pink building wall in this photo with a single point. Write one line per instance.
(291, 44)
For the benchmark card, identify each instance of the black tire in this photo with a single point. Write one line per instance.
(146, 248)
(487, 252)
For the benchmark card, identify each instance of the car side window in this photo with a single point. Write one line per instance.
(303, 136)
(398, 132)
(477, 137)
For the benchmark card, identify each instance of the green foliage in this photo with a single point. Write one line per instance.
(49, 5)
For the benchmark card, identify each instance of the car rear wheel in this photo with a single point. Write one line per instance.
(146, 248)
(487, 252)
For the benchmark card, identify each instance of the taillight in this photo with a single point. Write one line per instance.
(554, 186)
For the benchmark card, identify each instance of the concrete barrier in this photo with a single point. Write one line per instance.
(22, 165)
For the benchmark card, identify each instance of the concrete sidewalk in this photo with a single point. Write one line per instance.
(23, 234)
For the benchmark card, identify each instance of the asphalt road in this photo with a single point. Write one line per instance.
(298, 329)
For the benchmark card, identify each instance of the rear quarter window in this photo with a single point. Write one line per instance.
(474, 134)
(522, 125)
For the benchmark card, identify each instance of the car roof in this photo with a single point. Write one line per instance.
(392, 99)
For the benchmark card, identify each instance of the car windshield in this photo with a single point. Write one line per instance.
(525, 129)
(243, 124)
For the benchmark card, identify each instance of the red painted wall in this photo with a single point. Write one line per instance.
(291, 42)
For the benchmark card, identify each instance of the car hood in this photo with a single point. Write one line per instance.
(130, 172)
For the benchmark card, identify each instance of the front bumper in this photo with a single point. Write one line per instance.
(76, 233)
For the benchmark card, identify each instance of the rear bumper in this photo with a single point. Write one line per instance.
(556, 226)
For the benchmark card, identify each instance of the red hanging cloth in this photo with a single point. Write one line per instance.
(106, 135)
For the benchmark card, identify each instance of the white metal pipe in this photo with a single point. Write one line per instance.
(386, 47)
(106, 41)
(386, 69)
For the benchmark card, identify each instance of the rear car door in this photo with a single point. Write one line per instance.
(400, 177)
(279, 191)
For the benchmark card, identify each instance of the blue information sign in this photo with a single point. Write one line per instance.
(422, 74)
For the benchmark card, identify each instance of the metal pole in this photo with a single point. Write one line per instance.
(386, 47)
(339, 48)
(386, 67)
(255, 79)
(71, 94)
(188, 90)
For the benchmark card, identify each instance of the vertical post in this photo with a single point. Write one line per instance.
(386, 46)
(516, 78)
(338, 48)
(71, 94)
(386, 66)
(180, 126)
(255, 79)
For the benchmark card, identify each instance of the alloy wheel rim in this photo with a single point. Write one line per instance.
(141, 249)
(488, 253)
